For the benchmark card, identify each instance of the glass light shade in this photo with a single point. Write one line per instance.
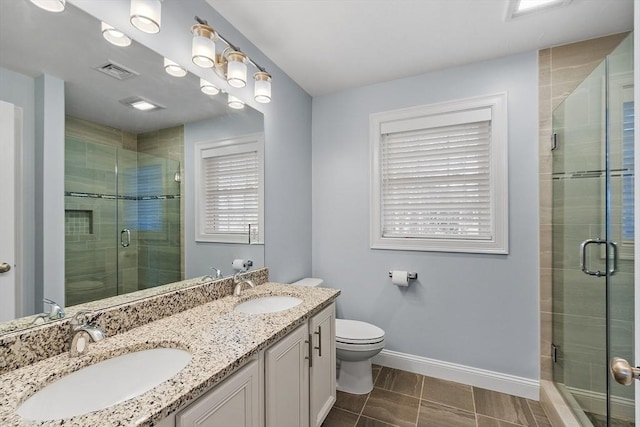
(145, 15)
(114, 36)
(262, 87)
(236, 69)
(203, 46)
(50, 5)
(235, 103)
(208, 88)
(173, 68)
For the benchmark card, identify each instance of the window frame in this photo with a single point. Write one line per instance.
(247, 143)
(499, 205)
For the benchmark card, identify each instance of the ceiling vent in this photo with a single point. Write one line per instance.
(117, 71)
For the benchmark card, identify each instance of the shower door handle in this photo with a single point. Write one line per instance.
(125, 237)
(623, 372)
(583, 257)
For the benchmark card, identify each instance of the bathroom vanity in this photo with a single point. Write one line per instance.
(269, 369)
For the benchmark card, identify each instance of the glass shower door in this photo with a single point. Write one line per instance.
(579, 299)
(593, 211)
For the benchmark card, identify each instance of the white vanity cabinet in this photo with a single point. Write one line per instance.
(300, 374)
(235, 402)
(290, 384)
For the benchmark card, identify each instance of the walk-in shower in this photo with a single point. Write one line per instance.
(593, 241)
(122, 220)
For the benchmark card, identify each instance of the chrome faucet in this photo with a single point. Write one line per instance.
(218, 275)
(83, 332)
(238, 280)
(55, 312)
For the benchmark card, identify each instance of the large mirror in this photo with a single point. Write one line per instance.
(129, 182)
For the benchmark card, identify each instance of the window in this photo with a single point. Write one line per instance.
(439, 177)
(229, 190)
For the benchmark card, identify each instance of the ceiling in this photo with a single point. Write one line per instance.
(332, 45)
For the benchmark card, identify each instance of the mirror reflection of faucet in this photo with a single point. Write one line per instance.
(217, 275)
(55, 312)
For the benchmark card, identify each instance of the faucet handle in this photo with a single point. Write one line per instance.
(56, 311)
(217, 271)
(81, 314)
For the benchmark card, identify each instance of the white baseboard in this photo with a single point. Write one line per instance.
(496, 381)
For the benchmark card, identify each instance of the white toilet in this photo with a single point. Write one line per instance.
(356, 343)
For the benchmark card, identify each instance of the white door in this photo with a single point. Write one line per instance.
(10, 137)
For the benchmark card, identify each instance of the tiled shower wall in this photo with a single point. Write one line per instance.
(89, 167)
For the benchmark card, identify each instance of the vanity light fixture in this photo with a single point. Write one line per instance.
(145, 15)
(203, 46)
(235, 103)
(50, 5)
(208, 88)
(262, 87)
(236, 68)
(230, 65)
(115, 37)
(173, 68)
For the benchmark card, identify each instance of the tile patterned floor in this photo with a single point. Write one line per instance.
(405, 399)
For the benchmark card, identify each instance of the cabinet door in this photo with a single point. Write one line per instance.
(234, 403)
(322, 388)
(287, 381)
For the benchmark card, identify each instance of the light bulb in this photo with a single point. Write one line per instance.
(145, 15)
(50, 5)
(114, 36)
(235, 103)
(208, 88)
(262, 87)
(173, 68)
(236, 69)
(203, 46)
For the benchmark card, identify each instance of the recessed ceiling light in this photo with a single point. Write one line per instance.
(524, 7)
(141, 104)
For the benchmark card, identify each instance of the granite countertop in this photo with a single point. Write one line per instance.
(219, 339)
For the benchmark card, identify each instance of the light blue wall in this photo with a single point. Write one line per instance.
(200, 256)
(287, 124)
(475, 310)
(19, 89)
(49, 174)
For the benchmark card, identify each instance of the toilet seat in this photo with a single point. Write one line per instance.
(357, 332)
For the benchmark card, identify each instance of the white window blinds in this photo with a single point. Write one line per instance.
(436, 182)
(229, 185)
(231, 193)
(439, 177)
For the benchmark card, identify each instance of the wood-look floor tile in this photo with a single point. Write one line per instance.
(536, 408)
(434, 415)
(492, 422)
(339, 418)
(370, 422)
(400, 381)
(448, 393)
(375, 371)
(350, 402)
(391, 407)
(503, 407)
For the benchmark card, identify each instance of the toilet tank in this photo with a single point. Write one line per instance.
(309, 281)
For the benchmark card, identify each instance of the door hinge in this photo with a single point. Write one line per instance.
(554, 141)
(554, 353)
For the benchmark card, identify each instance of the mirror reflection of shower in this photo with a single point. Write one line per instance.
(122, 210)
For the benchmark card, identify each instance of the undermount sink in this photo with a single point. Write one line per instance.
(270, 304)
(104, 384)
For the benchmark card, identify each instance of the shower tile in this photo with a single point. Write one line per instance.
(585, 51)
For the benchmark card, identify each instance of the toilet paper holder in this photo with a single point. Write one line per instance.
(412, 275)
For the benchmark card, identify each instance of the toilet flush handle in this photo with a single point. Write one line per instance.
(319, 347)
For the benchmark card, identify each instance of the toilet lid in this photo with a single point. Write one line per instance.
(354, 331)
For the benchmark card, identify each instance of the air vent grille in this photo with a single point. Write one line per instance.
(117, 71)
